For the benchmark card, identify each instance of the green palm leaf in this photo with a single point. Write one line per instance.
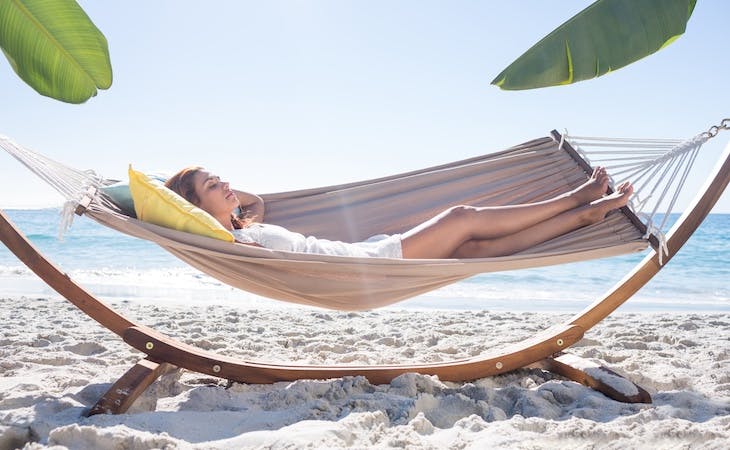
(604, 37)
(54, 47)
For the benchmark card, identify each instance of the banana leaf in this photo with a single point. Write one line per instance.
(606, 36)
(55, 48)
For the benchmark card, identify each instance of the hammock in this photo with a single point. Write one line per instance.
(530, 172)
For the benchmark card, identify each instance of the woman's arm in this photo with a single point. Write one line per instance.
(251, 205)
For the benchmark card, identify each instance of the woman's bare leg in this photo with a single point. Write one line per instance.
(544, 231)
(444, 233)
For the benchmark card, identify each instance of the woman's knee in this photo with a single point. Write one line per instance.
(460, 212)
(459, 220)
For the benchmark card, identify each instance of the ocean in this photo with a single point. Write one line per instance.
(114, 266)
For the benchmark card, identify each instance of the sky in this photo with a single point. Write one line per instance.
(283, 95)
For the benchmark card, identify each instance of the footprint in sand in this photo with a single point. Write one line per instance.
(86, 348)
(39, 343)
(390, 341)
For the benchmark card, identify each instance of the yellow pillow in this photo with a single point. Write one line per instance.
(156, 204)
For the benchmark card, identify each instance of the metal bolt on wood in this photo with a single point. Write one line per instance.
(149, 346)
(499, 365)
(216, 368)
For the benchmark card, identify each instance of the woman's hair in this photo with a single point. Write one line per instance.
(183, 184)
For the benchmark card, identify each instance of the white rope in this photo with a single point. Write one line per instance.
(72, 184)
(658, 168)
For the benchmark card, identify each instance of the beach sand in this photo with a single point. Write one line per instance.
(55, 363)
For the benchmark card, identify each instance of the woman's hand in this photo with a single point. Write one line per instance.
(251, 205)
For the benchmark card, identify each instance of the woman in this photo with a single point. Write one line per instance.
(459, 232)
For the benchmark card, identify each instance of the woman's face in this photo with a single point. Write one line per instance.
(215, 195)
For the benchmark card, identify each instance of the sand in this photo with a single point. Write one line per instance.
(55, 363)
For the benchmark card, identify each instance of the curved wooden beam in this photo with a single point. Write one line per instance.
(161, 348)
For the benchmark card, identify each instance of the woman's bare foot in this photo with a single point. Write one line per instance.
(598, 209)
(593, 189)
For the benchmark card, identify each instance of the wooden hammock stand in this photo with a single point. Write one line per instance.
(542, 350)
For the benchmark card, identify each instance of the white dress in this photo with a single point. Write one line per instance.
(275, 237)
